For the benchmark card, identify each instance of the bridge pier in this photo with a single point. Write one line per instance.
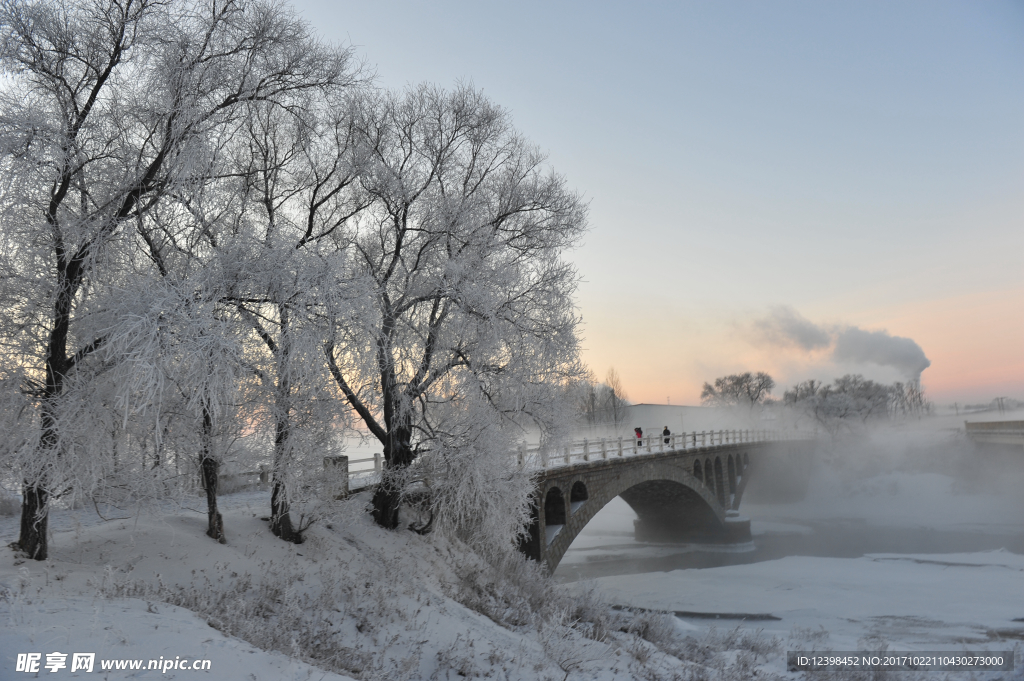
(734, 530)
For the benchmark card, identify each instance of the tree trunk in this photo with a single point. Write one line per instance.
(35, 493)
(280, 518)
(387, 499)
(209, 467)
(35, 512)
(215, 528)
(34, 520)
(398, 455)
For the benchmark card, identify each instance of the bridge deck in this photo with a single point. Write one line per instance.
(365, 472)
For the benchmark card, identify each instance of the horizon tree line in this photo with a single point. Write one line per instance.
(848, 399)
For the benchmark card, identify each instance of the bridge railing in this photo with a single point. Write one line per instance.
(366, 471)
(611, 448)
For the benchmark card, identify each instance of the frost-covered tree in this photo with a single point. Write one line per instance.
(849, 400)
(262, 259)
(746, 389)
(107, 107)
(907, 399)
(296, 174)
(616, 400)
(468, 326)
(601, 403)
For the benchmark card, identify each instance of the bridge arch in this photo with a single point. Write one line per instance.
(666, 496)
(693, 485)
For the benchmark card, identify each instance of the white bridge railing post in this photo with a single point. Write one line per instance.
(548, 455)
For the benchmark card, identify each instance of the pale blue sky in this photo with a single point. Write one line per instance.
(861, 162)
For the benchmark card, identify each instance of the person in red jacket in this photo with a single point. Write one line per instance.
(639, 436)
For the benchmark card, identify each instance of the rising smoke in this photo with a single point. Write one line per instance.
(783, 326)
(786, 327)
(878, 347)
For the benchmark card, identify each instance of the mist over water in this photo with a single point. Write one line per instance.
(918, 487)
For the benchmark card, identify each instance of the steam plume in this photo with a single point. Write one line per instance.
(878, 347)
(785, 327)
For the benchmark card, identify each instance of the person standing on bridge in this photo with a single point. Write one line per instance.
(639, 436)
(667, 434)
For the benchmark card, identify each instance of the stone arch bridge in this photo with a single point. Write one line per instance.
(686, 487)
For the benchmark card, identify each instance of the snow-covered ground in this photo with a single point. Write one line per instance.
(394, 605)
(353, 598)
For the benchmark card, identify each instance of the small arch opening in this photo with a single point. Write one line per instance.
(698, 472)
(577, 496)
(554, 513)
(732, 475)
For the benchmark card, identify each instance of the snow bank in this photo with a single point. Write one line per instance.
(353, 601)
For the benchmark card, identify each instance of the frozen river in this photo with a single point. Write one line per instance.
(908, 561)
(607, 548)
